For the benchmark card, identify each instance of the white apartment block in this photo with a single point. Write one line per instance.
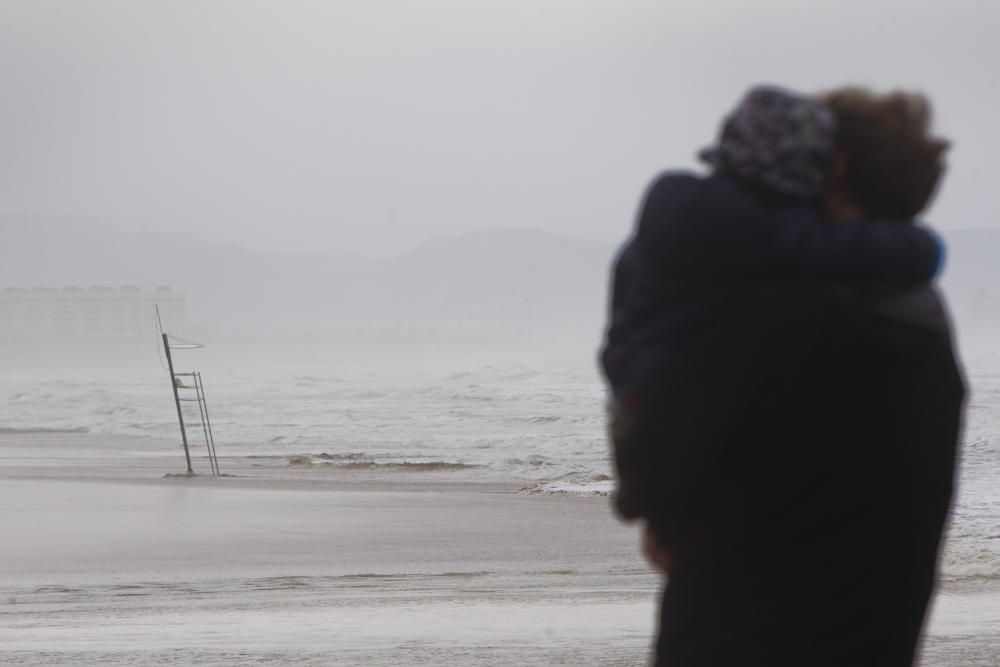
(94, 312)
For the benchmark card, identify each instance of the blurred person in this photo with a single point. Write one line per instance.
(788, 433)
(757, 217)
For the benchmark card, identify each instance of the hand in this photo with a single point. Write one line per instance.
(656, 553)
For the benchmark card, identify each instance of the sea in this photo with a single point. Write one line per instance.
(532, 417)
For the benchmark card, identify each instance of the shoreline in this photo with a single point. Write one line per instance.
(113, 457)
(84, 456)
(135, 568)
(108, 560)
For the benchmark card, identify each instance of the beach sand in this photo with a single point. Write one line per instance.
(105, 560)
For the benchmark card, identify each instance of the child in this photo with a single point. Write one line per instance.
(756, 218)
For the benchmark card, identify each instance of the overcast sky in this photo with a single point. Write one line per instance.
(369, 126)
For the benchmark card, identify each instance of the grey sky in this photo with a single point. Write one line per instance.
(369, 126)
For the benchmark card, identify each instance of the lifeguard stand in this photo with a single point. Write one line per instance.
(179, 387)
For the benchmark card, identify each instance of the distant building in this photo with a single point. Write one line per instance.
(98, 311)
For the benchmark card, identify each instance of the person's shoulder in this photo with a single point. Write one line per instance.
(665, 204)
(689, 199)
(922, 307)
(913, 329)
(908, 322)
(914, 322)
(673, 182)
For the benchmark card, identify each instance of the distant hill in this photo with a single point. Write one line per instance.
(508, 280)
(511, 280)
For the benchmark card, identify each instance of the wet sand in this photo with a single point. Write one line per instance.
(106, 561)
(150, 570)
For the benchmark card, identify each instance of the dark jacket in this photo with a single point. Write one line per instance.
(794, 439)
(800, 465)
(699, 239)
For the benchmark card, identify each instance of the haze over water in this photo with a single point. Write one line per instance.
(391, 223)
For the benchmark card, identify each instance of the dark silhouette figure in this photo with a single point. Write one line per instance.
(788, 429)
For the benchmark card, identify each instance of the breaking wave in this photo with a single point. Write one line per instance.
(11, 430)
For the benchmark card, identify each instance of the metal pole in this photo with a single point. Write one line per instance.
(177, 402)
(204, 424)
(208, 421)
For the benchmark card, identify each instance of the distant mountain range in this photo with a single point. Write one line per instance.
(505, 280)
(510, 280)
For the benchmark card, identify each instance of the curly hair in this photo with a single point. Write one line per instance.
(893, 163)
